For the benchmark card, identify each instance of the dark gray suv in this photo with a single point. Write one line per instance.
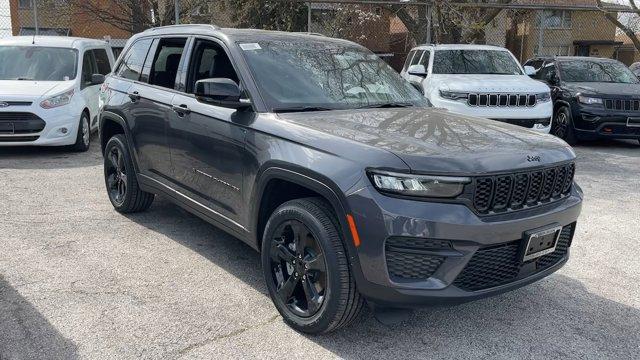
(317, 154)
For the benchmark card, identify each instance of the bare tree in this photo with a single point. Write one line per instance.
(630, 28)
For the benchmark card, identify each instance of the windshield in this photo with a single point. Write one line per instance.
(475, 62)
(318, 75)
(37, 63)
(596, 71)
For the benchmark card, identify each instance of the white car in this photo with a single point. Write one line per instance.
(482, 81)
(49, 88)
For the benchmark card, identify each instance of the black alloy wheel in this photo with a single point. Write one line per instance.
(116, 173)
(298, 268)
(562, 126)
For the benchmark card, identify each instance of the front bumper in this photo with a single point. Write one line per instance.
(380, 218)
(593, 123)
(535, 117)
(60, 128)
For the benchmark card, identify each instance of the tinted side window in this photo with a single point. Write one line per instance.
(131, 65)
(102, 61)
(408, 60)
(166, 62)
(88, 68)
(209, 61)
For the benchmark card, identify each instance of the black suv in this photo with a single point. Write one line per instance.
(593, 98)
(317, 154)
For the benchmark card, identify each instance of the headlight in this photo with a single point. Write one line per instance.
(543, 97)
(453, 95)
(419, 185)
(589, 100)
(58, 100)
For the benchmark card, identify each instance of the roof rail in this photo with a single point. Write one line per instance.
(183, 26)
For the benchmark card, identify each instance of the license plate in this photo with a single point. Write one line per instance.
(633, 122)
(6, 128)
(541, 242)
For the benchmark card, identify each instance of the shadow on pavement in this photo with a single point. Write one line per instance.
(52, 157)
(556, 317)
(25, 333)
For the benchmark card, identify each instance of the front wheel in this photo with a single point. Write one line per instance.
(120, 178)
(562, 126)
(83, 136)
(306, 268)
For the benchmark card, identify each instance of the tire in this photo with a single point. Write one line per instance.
(83, 137)
(338, 302)
(562, 126)
(120, 178)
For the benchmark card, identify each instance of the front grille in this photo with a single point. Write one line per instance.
(413, 258)
(622, 104)
(17, 103)
(20, 123)
(18, 138)
(517, 100)
(499, 265)
(508, 192)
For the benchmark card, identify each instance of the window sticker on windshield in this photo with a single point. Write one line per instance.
(250, 46)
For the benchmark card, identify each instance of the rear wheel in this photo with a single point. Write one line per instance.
(306, 268)
(562, 126)
(120, 178)
(83, 137)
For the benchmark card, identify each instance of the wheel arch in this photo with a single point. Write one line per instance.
(111, 124)
(298, 183)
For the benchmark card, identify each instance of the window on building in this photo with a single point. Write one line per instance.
(24, 4)
(555, 19)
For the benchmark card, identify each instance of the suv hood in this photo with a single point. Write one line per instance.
(25, 89)
(487, 83)
(436, 141)
(603, 88)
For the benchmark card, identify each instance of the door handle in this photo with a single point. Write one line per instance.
(181, 109)
(134, 96)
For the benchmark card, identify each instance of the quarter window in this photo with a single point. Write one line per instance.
(131, 65)
(408, 61)
(88, 68)
(416, 57)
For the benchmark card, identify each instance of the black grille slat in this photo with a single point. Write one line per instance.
(513, 191)
(499, 265)
(20, 123)
(406, 258)
(622, 104)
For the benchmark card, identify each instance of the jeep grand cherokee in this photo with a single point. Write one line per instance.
(317, 154)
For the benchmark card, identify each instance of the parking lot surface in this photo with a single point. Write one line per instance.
(79, 280)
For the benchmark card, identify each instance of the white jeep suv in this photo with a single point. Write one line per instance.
(49, 88)
(480, 80)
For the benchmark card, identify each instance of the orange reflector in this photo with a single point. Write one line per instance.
(608, 129)
(354, 231)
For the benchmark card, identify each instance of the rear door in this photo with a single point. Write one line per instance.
(207, 141)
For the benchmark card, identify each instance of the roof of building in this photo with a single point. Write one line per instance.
(51, 41)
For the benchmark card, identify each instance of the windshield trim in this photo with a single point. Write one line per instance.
(75, 61)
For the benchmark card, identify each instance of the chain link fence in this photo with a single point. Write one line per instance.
(529, 28)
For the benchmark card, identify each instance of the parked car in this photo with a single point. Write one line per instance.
(635, 68)
(49, 89)
(480, 80)
(593, 98)
(316, 153)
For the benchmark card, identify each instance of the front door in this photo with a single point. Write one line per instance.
(582, 50)
(207, 146)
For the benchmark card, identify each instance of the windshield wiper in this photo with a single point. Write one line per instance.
(387, 105)
(302, 109)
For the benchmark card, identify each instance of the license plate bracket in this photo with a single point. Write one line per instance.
(633, 122)
(540, 242)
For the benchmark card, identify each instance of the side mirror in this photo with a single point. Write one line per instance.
(97, 79)
(222, 92)
(530, 70)
(417, 70)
